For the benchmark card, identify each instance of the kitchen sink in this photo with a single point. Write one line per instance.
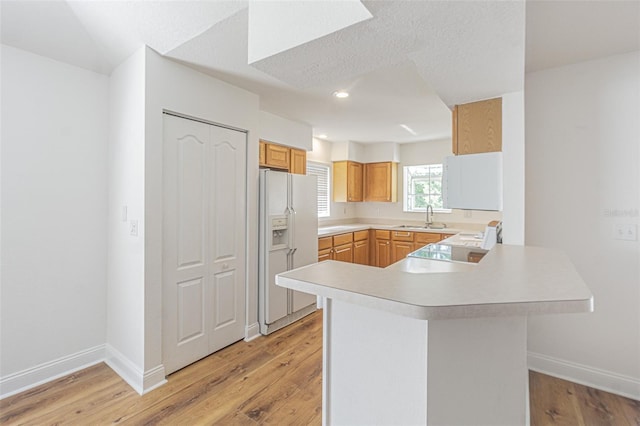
(434, 226)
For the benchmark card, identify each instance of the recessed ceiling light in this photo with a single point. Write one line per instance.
(322, 136)
(341, 94)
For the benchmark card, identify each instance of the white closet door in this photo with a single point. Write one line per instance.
(227, 200)
(203, 244)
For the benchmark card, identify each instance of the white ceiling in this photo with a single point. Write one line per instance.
(402, 66)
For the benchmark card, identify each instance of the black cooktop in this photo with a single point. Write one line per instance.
(450, 253)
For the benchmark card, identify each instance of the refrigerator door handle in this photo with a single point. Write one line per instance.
(292, 229)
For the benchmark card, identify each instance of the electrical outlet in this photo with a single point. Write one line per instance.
(133, 228)
(627, 232)
(468, 214)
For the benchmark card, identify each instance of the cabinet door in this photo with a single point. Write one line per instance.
(354, 181)
(383, 253)
(381, 182)
(324, 254)
(347, 181)
(277, 156)
(263, 154)
(298, 161)
(343, 253)
(477, 127)
(361, 252)
(400, 250)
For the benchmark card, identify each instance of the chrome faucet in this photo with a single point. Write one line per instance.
(429, 220)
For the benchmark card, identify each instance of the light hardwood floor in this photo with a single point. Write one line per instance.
(271, 380)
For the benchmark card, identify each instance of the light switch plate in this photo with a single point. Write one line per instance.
(625, 231)
(133, 228)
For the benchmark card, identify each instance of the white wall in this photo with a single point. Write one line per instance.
(323, 152)
(582, 178)
(174, 87)
(411, 154)
(513, 167)
(126, 253)
(54, 197)
(280, 130)
(142, 88)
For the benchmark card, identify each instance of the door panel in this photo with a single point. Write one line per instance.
(224, 285)
(190, 310)
(224, 190)
(203, 240)
(184, 335)
(190, 200)
(227, 235)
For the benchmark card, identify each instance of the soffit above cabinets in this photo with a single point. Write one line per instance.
(405, 63)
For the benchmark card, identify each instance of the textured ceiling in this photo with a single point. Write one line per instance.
(402, 66)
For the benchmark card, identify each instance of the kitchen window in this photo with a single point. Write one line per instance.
(321, 171)
(422, 187)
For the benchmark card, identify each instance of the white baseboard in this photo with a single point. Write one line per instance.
(48, 371)
(251, 332)
(585, 375)
(141, 382)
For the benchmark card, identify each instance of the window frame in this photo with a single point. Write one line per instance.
(408, 183)
(326, 167)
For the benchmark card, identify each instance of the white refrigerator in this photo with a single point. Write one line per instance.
(288, 240)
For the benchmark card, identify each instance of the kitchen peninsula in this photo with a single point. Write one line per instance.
(430, 342)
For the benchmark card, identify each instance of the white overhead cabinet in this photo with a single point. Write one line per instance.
(473, 182)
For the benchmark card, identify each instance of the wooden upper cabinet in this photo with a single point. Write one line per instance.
(347, 181)
(263, 153)
(282, 157)
(298, 161)
(277, 156)
(381, 182)
(477, 127)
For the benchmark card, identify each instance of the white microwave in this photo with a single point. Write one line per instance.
(473, 182)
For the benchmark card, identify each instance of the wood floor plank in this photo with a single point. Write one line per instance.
(551, 402)
(68, 392)
(273, 380)
(600, 408)
(630, 409)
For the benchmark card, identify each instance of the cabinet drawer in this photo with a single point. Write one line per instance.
(325, 243)
(342, 239)
(383, 235)
(324, 254)
(360, 235)
(343, 253)
(402, 236)
(425, 238)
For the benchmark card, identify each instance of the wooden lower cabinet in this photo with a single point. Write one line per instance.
(400, 250)
(325, 254)
(379, 247)
(382, 248)
(361, 247)
(343, 253)
(424, 238)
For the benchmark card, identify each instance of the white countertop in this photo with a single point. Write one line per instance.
(326, 231)
(510, 280)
